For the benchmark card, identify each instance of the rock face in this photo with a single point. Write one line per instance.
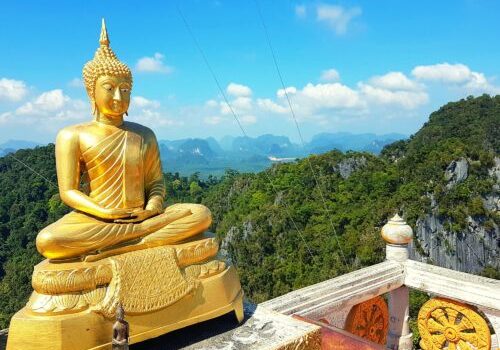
(456, 172)
(472, 249)
(468, 251)
(347, 166)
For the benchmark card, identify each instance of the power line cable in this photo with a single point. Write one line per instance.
(325, 207)
(33, 170)
(221, 90)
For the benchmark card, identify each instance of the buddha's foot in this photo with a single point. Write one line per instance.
(197, 251)
(205, 270)
(187, 253)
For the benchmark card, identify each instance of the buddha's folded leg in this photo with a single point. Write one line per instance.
(180, 230)
(77, 234)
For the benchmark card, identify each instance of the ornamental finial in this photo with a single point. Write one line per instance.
(396, 231)
(104, 39)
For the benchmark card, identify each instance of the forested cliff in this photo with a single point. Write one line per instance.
(299, 223)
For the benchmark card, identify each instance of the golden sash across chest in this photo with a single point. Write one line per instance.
(115, 170)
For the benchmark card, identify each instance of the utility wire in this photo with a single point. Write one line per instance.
(221, 90)
(33, 170)
(268, 38)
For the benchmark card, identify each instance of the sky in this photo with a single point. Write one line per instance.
(356, 66)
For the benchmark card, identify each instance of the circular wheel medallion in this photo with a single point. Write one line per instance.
(447, 324)
(369, 320)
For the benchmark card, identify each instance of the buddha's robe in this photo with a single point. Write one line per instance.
(122, 170)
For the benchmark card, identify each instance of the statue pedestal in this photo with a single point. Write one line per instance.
(211, 297)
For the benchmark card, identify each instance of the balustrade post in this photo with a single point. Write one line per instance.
(397, 235)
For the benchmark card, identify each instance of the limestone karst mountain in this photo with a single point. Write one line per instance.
(252, 154)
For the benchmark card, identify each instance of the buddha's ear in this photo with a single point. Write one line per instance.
(94, 107)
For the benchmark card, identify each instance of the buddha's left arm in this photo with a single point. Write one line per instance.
(154, 182)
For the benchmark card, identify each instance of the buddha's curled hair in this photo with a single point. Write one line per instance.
(105, 62)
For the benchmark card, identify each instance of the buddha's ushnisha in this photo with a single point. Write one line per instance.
(109, 172)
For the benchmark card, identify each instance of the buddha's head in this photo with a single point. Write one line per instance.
(120, 312)
(107, 80)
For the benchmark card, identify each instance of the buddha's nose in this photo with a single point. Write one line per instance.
(117, 95)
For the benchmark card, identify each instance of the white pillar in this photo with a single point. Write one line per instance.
(399, 337)
(397, 235)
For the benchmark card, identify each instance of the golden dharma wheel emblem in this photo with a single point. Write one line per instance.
(369, 320)
(447, 324)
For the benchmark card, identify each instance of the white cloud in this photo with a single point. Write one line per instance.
(49, 101)
(457, 75)
(320, 101)
(334, 95)
(213, 120)
(239, 105)
(211, 103)
(477, 81)
(403, 98)
(242, 103)
(153, 64)
(5, 117)
(12, 90)
(394, 81)
(337, 17)
(330, 75)
(443, 72)
(76, 83)
(49, 107)
(142, 102)
(300, 11)
(315, 102)
(152, 118)
(248, 119)
(149, 112)
(238, 90)
(269, 105)
(287, 91)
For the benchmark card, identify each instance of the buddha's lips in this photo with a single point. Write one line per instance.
(116, 106)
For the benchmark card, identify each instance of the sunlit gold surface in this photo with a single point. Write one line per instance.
(369, 320)
(447, 324)
(119, 245)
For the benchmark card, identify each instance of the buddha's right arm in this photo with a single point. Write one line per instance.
(68, 178)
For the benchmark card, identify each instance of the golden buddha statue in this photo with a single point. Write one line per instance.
(119, 246)
(122, 171)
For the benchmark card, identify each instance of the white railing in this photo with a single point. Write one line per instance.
(333, 300)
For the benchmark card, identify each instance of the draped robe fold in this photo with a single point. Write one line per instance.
(123, 170)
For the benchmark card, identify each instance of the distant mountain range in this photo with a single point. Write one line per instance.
(252, 154)
(245, 154)
(13, 145)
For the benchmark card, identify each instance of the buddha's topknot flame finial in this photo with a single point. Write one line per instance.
(104, 62)
(104, 39)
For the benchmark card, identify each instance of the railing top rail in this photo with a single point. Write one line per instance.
(471, 289)
(349, 289)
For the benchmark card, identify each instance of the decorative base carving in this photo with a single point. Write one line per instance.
(214, 296)
(448, 324)
(161, 288)
(369, 320)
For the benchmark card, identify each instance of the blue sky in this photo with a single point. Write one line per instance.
(358, 66)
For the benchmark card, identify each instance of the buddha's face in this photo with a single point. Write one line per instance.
(112, 95)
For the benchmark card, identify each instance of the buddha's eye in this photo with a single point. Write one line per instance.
(107, 87)
(124, 90)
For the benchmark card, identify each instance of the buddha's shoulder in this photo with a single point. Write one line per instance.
(73, 131)
(142, 130)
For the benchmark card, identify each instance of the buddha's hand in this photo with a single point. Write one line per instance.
(138, 215)
(116, 213)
